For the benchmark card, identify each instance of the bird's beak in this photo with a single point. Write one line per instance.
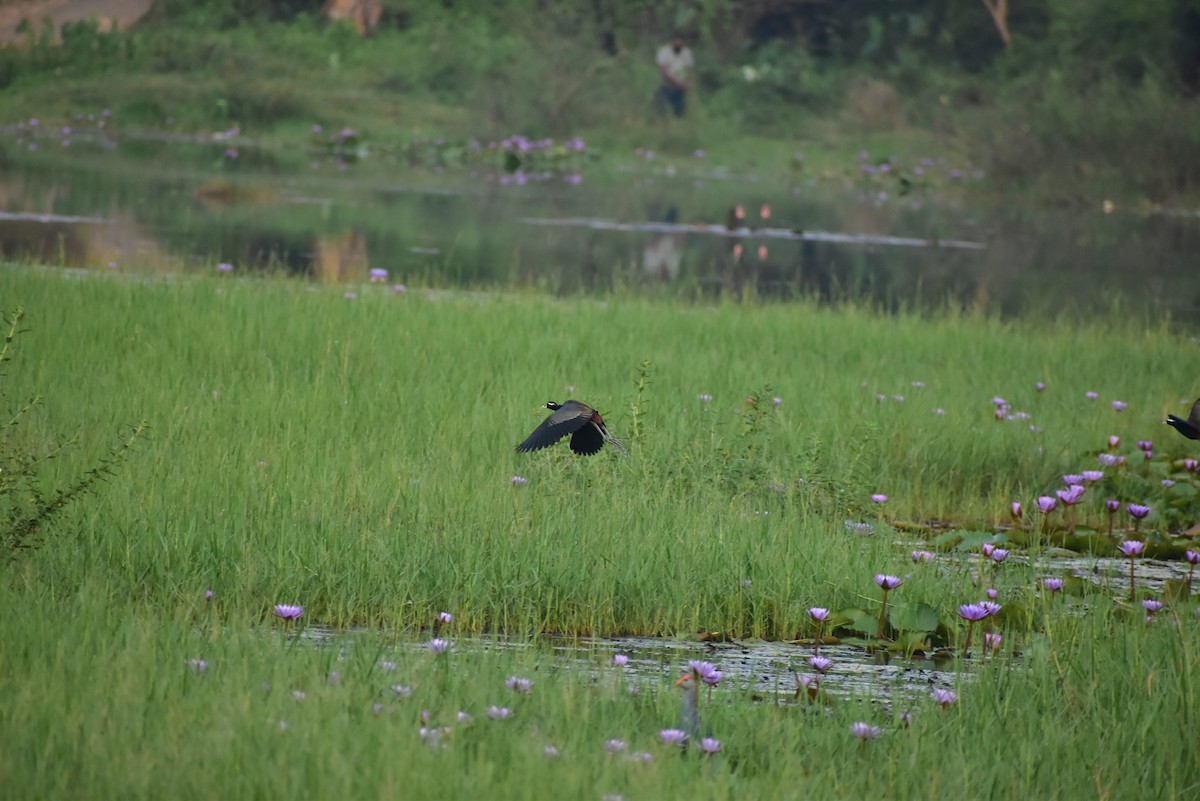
(693, 675)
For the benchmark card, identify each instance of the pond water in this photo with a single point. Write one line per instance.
(618, 222)
(766, 671)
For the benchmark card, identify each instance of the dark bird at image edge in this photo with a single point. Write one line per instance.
(1190, 427)
(582, 422)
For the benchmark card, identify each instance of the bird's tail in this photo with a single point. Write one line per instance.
(616, 443)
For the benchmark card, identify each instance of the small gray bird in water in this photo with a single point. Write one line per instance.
(689, 713)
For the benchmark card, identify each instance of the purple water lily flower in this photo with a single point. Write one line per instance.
(498, 712)
(992, 640)
(1092, 475)
(614, 746)
(991, 607)
(887, 582)
(444, 617)
(1071, 495)
(1119, 406)
(999, 555)
(879, 498)
(864, 731)
(1071, 479)
(438, 645)
(674, 736)
(923, 556)
(972, 612)
(1152, 605)
(944, 697)
(818, 613)
(820, 663)
(1046, 504)
(1091, 395)
(288, 612)
(1110, 459)
(710, 745)
(518, 684)
(519, 481)
(1113, 441)
(1137, 510)
(620, 660)
(1146, 444)
(1131, 548)
(706, 670)
(1016, 510)
(1112, 504)
(1054, 584)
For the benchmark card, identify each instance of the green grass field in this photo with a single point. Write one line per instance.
(354, 455)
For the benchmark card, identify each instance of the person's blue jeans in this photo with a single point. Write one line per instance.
(671, 96)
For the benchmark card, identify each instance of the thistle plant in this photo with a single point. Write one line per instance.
(25, 508)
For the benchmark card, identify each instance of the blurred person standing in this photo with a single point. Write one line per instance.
(675, 64)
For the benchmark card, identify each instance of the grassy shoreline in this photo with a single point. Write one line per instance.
(288, 420)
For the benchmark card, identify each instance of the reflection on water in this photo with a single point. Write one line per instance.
(158, 206)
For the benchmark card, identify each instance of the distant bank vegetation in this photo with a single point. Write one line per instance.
(1048, 95)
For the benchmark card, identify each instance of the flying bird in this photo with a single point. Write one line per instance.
(1190, 427)
(582, 422)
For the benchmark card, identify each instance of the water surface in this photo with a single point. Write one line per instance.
(653, 227)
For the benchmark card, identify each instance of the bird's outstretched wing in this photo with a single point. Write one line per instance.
(1194, 414)
(560, 423)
